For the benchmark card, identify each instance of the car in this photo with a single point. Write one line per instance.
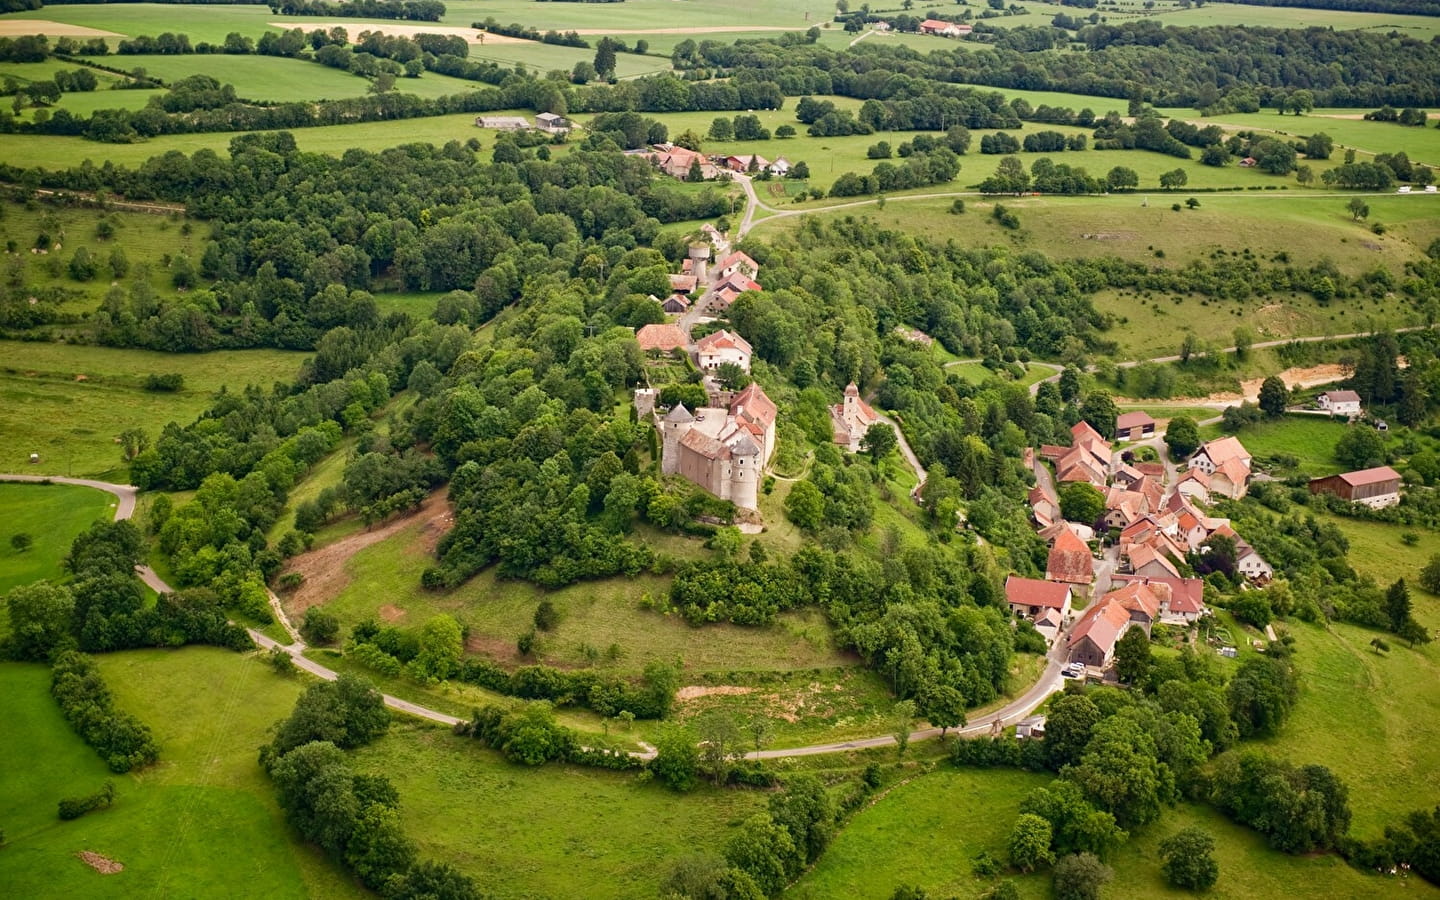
(1403, 189)
(1074, 670)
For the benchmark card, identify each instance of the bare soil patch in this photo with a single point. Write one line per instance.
(101, 864)
(471, 35)
(16, 27)
(494, 648)
(391, 613)
(1308, 376)
(696, 691)
(324, 568)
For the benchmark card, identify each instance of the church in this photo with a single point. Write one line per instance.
(723, 450)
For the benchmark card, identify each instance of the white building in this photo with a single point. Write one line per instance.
(721, 347)
(1340, 403)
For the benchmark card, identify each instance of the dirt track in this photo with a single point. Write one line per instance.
(324, 568)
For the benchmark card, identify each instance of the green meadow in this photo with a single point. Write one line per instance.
(1310, 439)
(200, 823)
(52, 515)
(69, 403)
(1346, 126)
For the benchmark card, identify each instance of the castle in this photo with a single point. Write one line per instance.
(851, 419)
(722, 450)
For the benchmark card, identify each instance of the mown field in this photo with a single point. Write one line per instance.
(1346, 126)
(69, 403)
(52, 515)
(1310, 439)
(202, 822)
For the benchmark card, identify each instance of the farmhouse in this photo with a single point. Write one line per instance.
(1134, 426)
(1340, 403)
(661, 338)
(676, 303)
(944, 29)
(552, 123)
(677, 161)
(1092, 642)
(722, 450)
(1031, 597)
(742, 164)
(503, 123)
(1070, 562)
(1185, 602)
(722, 347)
(738, 262)
(683, 284)
(1086, 459)
(850, 419)
(1376, 488)
(1227, 462)
(1043, 507)
(780, 167)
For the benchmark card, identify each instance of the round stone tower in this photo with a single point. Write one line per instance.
(745, 473)
(676, 424)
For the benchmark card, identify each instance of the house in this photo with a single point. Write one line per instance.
(779, 168)
(1030, 727)
(1093, 639)
(944, 29)
(729, 290)
(851, 418)
(742, 164)
(552, 123)
(721, 347)
(1147, 561)
(1031, 597)
(881, 26)
(503, 123)
(1070, 562)
(722, 450)
(676, 303)
(1043, 507)
(1142, 600)
(1340, 403)
(1086, 459)
(1251, 564)
(677, 162)
(1127, 476)
(1227, 462)
(1185, 603)
(738, 262)
(1247, 163)
(1376, 488)
(717, 239)
(661, 338)
(1135, 425)
(683, 284)
(1194, 485)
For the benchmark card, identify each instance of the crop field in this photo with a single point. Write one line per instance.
(52, 515)
(202, 822)
(382, 581)
(540, 832)
(68, 403)
(1311, 439)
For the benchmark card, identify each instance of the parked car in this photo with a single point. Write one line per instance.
(1074, 670)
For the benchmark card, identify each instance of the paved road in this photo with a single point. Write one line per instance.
(124, 494)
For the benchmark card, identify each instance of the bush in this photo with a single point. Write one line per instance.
(121, 740)
(165, 384)
(75, 807)
(546, 616)
(320, 626)
(1189, 860)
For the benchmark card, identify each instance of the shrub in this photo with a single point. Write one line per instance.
(165, 384)
(121, 740)
(546, 616)
(320, 626)
(75, 807)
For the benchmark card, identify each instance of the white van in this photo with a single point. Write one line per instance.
(1431, 189)
(1403, 189)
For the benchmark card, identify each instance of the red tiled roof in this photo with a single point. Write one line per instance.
(661, 337)
(1342, 396)
(1070, 560)
(1102, 624)
(752, 404)
(1370, 476)
(1187, 595)
(1034, 592)
(1083, 430)
(1223, 449)
(723, 340)
(739, 257)
(1134, 419)
(1139, 596)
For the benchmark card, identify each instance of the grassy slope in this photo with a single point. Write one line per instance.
(72, 424)
(1311, 439)
(1420, 144)
(546, 832)
(52, 515)
(203, 822)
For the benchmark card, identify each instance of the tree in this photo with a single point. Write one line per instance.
(320, 626)
(761, 730)
(1319, 146)
(1132, 656)
(1120, 772)
(1397, 605)
(1261, 695)
(879, 441)
(1029, 843)
(764, 851)
(1068, 729)
(903, 717)
(720, 741)
(1175, 178)
(1081, 502)
(347, 712)
(605, 58)
(943, 705)
(40, 619)
(677, 759)
(441, 646)
(805, 810)
(1100, 411)
(1182, 436)
(1274, 396)
(805, 506)
(1358, 209)
(1360, 447)
(1081, 876)
(21, 541)
(1188, 859)
(1430, 575)
(1274, 157)
(1122, 178)
(1069, 384)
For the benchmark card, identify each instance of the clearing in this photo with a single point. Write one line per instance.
(52, 514)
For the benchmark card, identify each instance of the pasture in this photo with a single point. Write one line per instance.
(52, 515)
(1346, 126)
(69, 403)
(1310, 439)
(202, 822)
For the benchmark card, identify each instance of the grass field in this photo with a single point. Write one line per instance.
(925, 833)
(1311, 439)
(387, 574)
(1346, 126)
(203, 822)
(73, 423)
(52, 514)
(545, 832)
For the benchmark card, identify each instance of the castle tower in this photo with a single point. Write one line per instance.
(699, 257)
(745, 473)
(676, 424)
